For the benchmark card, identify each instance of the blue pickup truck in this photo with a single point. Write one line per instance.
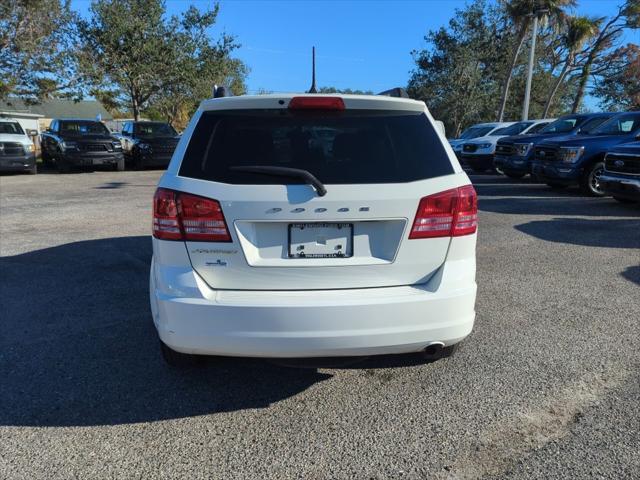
(514, 154)
(621, 176)
(564, 161)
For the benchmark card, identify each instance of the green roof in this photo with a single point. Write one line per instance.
(58, 108)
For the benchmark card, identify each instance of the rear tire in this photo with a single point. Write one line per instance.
(119, 167)
(177, 359)
(33, 170)
(590, 181)
(626, 201)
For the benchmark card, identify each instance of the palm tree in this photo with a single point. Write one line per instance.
(578, 31)
(521, 13)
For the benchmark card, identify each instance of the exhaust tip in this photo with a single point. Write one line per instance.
(433, 350)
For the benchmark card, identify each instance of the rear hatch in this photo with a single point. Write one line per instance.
(284, 233)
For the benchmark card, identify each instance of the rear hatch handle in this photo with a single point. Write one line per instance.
(305, 175)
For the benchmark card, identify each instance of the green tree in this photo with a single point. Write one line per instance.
(577, 31)
(521, 13)
(135, 55)
(620, 89)
(458, 73)
(346, 91)
(36, 59)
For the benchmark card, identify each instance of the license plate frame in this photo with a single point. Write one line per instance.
(301, 244)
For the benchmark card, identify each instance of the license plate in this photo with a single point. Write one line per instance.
(320, 240)
(98, 161)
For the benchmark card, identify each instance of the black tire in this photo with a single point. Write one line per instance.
(136, 160)
(514, 175)
(33, 170)
(119, 166)
(177, 359)
(590, 181)
(556, 186)
(46, 159)
(624, 200)
(62, 165)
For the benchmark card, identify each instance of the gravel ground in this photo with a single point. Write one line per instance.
(547, 386)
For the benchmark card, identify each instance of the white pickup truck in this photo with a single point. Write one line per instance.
(17, 152)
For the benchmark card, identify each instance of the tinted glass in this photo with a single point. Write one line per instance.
(11, 128)
(537, 127)
(83, 127)
(154, 130)
(350, 147)
(620, 125)
(475, 132)
(592, 124)
(562, 125)
(514, 129)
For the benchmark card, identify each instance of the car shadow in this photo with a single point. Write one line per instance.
(78, 347)
(632, 274)
(617, 233)
(111, 185)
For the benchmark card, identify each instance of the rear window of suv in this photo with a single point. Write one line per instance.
(348, 147)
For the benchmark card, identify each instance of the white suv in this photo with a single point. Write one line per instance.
(312, 226)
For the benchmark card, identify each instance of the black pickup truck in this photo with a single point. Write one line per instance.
(69, 143)
(148, 143)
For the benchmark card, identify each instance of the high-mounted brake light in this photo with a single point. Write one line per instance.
(316, 103)
(451, 213)
(182, 216)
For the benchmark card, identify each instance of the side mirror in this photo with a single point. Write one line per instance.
(32, 133)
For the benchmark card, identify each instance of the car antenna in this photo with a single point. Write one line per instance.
(313, 71)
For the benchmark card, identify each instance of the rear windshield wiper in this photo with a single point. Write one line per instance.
(285, 172)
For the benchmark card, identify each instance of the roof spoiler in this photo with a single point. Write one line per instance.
(398, 92)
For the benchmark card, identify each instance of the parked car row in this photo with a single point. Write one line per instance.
(80, 143)
(600, 152)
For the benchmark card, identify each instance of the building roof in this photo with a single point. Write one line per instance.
(58, 108)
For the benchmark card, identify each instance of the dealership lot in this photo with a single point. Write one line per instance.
(547, 386)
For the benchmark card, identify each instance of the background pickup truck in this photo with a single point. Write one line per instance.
(148, 143)
(80, 143)
(564, 161)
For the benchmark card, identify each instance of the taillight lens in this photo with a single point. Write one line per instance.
(182, 216)
(451, 213)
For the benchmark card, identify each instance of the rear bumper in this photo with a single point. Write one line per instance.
(17, 163)
(621, 186)
(192, 318)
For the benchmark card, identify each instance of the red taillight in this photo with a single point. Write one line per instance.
(182, 216)
(316, 103)
(451, 213)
